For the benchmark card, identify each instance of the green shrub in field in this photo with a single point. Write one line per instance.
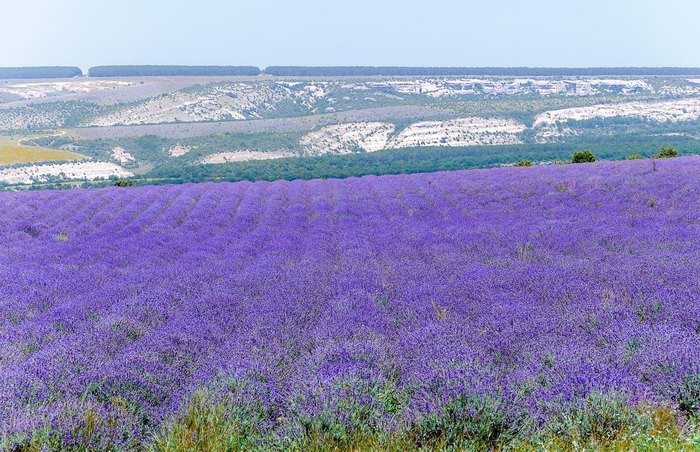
(62, 236)
(583, 157)
(523, 163)
(477, 423)
(667, 152)
(237, 421)
(599, 418)
(688, 397)
(635, 157)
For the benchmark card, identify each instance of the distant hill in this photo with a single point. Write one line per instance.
(154, 71)
(40, 72)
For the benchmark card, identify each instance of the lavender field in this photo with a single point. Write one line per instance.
(543, 307)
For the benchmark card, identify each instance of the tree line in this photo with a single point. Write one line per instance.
(308, 71)
(40, 72)
(155, 71)
(332, 71)
(416, 160)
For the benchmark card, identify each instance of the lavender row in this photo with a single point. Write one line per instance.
(534, 286)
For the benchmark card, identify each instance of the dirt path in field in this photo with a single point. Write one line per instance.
(29, 141)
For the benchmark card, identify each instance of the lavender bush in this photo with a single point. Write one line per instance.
(468, 309)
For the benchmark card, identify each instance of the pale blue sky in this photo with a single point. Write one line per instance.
(358, 32)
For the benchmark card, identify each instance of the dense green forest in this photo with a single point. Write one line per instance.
(39, 72)
(154, 71)
(417, 160)
(394, 161)
(305, 71)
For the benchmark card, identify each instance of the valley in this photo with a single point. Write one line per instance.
(151, 125)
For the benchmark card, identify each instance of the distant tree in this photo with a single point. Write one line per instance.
(150, 143)
(667, 152)
(583, 157)
(523, 163)
(123, 183)
(635, 157)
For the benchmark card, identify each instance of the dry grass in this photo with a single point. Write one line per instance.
(11, 152)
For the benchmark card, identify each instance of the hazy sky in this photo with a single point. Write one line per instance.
(354, 32)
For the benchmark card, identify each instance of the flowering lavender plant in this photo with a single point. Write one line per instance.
(482, 308)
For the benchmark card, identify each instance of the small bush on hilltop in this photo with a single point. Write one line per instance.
(123, 183)
(667, 152)
(583, 157)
